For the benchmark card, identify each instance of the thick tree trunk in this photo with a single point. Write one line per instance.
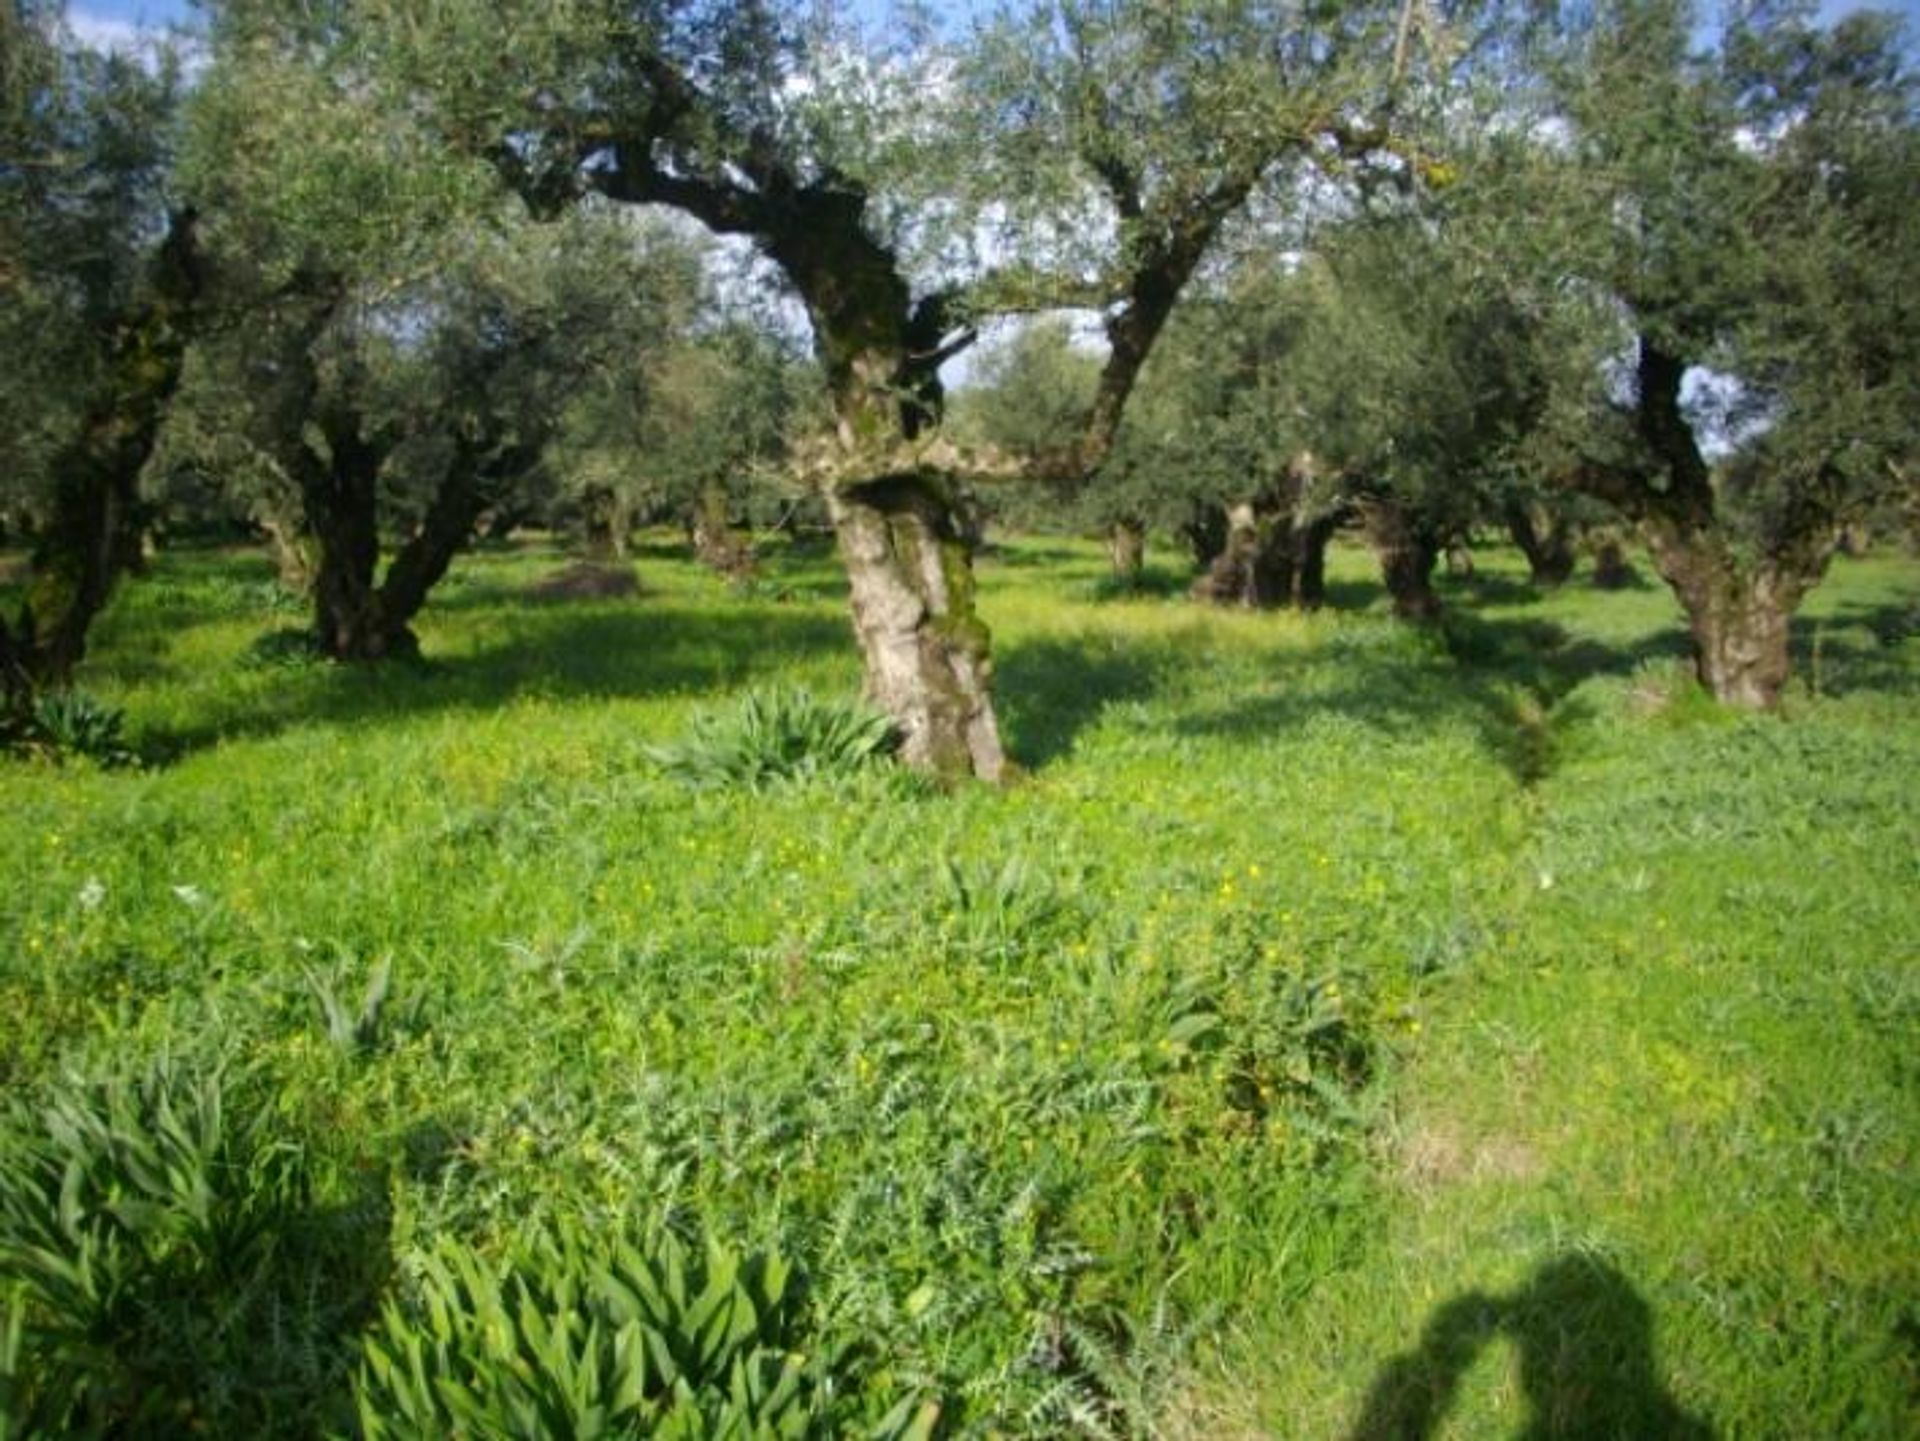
(1310, 543)
(93, 535)
(927, 653)
(292, 551)
(1205, 532)
(1611, 568)
(1255, 568)
(715, 542)
(342, 500)
(1407, 554)
(1738, 613)
(1545, 539)
(1127, 550)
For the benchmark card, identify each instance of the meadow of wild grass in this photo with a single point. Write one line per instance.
(1339, 1030)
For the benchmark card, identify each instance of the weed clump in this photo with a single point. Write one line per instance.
(162, 1263)
(646, 1337)
(774, 737)
(63, 724)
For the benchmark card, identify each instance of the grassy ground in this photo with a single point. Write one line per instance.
(1339, 1032)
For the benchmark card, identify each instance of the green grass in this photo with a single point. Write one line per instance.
(1335, 1022)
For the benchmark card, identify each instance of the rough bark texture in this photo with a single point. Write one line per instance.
(1255, 567)
(1611, 568)
(1407, 553)
(1547, 541)
(716, 544)
(1127, 550)
(1205, 532)
(1738, 606)
(1310, 541)
(928, 656)
(93, 536)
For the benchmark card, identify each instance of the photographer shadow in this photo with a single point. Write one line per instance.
(1585, 1343)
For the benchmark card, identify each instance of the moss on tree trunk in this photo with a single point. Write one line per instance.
(927, 652)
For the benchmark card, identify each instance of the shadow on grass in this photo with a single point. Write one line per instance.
(1859, 648)
(1049, 690)
(1154, 582)
(603, 651)
(1585, 1343)
(1509, 678)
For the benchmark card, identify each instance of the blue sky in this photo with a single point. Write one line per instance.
(110, 21)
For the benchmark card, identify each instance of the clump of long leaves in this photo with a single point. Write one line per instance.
(773, 737)
(57, 725)
(643, 1337)
(158, 1265)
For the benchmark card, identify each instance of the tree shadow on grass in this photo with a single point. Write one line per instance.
(1510, 679)
(1858, 647)
(1585, 1342)
(1049, 690)
(605, 651)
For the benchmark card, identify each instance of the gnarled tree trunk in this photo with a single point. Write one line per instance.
(1255, 567)
(1127, 550)
(93, 535)
(1310, 541)
(1407, 552)
(716, 544)
(927, 653)
(1738, 608)
(1611, 568)
(1546, 539)
(1738, 612)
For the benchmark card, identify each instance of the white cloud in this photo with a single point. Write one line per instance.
(110, 35)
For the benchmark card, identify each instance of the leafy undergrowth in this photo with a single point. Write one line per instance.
(1319, 975)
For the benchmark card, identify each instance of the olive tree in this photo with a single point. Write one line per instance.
(859, 175)
(100, 275)
(1743, 213)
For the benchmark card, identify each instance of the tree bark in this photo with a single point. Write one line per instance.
(1611, 568)
(927, 653)
(1205, 532)
(1255, 568)
(1545, 539)
(1738, 608)
(1738, 613)
(93, 535)
(341, 491)
(715, 542)
(1127, 550)
(1407, 552)
(1310, 541)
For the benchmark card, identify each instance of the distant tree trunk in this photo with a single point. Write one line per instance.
(716, 544)
(606, 523)
(1205, 532)
(1310, 541)
(1255, 567)
(1459, 559)
(93, 534)
(1738, 607)
(342, 492)
(1127, 549)
(1407, 552)
(1611, 569)
(928, 655)
(292, 551)
(1738, 613)
(1545, 539)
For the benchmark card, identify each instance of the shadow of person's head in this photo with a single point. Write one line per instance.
(1584, 1339)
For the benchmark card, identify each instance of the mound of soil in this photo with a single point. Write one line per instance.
(586, 580)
